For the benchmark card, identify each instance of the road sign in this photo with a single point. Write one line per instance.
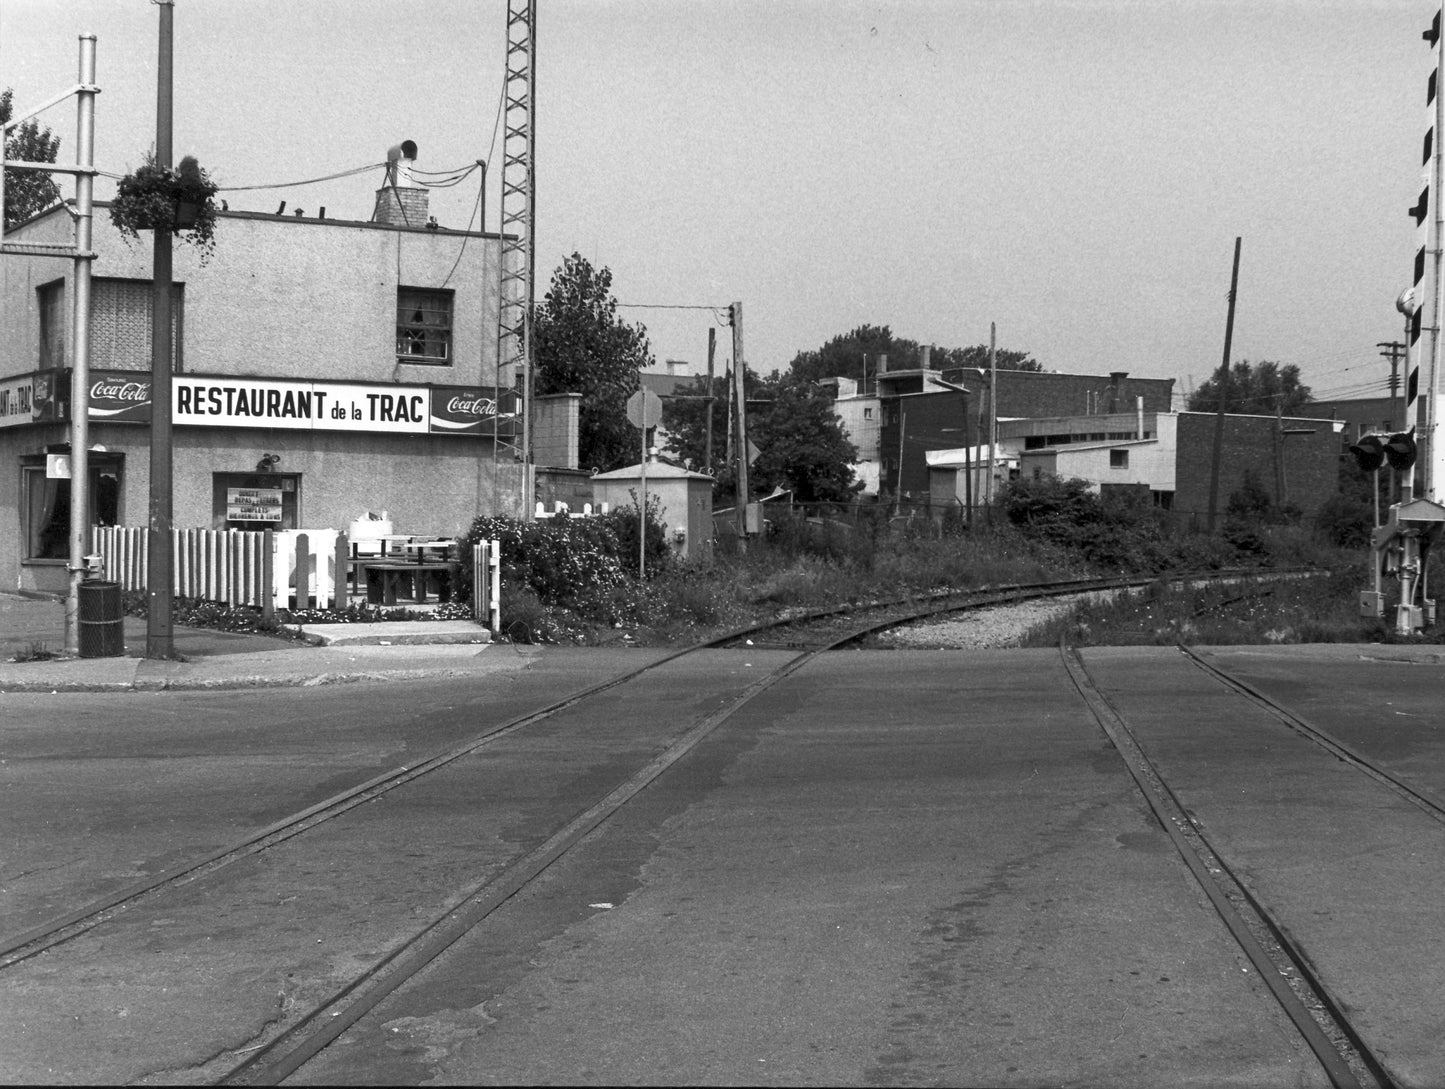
(644, 409)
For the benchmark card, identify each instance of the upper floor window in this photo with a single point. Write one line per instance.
(423, 326)
(120, 324)
(1118, 459)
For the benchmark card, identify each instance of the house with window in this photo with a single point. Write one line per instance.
(323, 369)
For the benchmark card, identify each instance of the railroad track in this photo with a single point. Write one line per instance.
(1287, 970)
(292, 1042)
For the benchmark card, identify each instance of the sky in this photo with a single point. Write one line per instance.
(1075, 172)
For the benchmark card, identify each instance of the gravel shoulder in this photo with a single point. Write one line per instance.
(995, 628)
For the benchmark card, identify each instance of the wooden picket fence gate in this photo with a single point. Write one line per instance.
(239, 567)
(236, 567)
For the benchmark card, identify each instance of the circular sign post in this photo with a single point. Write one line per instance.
(644, 410)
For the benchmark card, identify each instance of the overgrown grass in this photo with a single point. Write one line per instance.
(1315, 609)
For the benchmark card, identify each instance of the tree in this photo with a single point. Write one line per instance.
(800, 442)
(1260, 389)
(27, 192)
(847, 355)
(581, 346)
(801, 445)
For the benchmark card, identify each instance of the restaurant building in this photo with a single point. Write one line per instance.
(323, 369)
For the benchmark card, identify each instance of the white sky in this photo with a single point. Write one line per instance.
(1074, 170)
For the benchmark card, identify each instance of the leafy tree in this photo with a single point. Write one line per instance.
(1261, 388)
(581, 346)
(846, 356)
(800, 442)
(27, 192)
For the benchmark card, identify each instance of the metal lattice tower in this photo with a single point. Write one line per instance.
(518, 213)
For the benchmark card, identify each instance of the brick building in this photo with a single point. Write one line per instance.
(919, 415)
(322, 367)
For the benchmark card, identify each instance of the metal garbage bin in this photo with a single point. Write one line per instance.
(102, 629)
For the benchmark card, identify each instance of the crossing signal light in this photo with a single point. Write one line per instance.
(1369, 452)
(1400, 450)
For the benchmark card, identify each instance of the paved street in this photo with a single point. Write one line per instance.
(900, 867)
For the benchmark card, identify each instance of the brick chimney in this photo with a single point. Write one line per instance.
(400, 202)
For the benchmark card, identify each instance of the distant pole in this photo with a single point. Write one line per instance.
(967, 465)
(1223, 392)
(741, 445)
(160, 630)
(1394, 352)
(992, 411)
(898, 489)
(642, 513)
(711, 349)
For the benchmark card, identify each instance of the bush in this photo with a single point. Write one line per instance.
(579, 564)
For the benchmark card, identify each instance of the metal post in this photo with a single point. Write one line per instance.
(1432, 423)
(80, 499)
(160, 631)
(642, 512)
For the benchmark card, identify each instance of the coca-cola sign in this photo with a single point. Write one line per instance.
(474, 411)
(120, 398)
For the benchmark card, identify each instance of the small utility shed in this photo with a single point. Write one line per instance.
(684, 501)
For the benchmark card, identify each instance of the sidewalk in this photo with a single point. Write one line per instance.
(332, 654)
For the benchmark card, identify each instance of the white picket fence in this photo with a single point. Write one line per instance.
(240, 567)
(236, 567)
(564, 508)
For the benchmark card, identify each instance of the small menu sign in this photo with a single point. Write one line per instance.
(253, 504)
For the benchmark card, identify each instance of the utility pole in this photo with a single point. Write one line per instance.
(1394, 352)
(1223, 391)
(160, 565)
(711, 350)
(740, 446)
(992, 412)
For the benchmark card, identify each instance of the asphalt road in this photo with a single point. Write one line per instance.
(900, 868)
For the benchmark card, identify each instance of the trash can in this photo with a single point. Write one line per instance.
(102, 630)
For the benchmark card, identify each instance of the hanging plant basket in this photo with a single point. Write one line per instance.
(179, 200)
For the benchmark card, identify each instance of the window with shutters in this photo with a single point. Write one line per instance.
(120, 325)
(423, 326)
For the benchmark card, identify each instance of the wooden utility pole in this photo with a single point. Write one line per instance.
(1394, 352)
(707, 448)
(160, 567)
(740, 399)
(1223, 392)
(992, 412)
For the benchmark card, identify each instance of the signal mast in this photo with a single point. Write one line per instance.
(1401, 546)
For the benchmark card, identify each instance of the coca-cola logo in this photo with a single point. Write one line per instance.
(472, 406)
(117, 390)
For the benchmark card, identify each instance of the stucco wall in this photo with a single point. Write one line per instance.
(284, 296)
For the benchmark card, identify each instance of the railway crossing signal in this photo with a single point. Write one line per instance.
(1369, 452)
(1400, 451)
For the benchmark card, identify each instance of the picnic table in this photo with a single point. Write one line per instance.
(404, 561)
